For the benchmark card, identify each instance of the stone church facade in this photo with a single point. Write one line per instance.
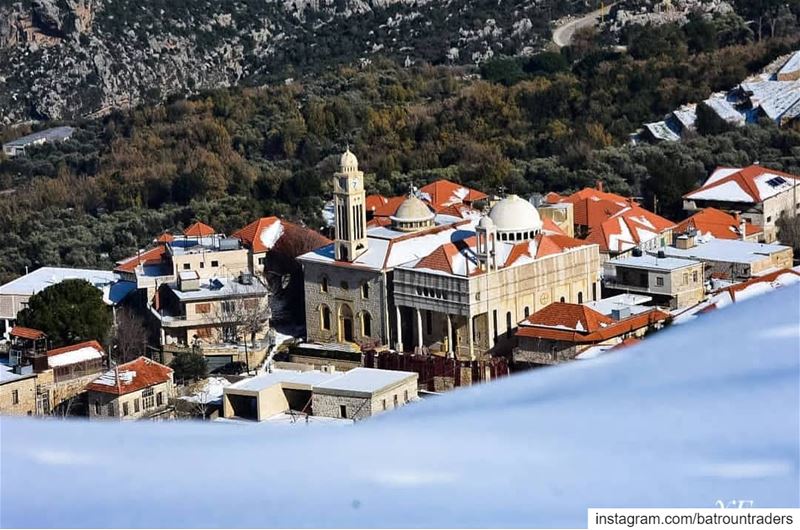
(429, 283)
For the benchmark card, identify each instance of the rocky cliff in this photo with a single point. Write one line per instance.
(68, 58)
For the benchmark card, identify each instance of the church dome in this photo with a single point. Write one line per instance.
(349, 162)
(515, 219)
(413, 214)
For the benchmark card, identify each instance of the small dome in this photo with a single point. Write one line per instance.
(349, 162)
(413, 214)
(513, 214)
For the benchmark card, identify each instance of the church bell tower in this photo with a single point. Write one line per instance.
(349, 208)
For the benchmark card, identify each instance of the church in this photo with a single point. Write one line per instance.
(434, 283)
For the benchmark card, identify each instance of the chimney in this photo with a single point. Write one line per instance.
(599, 185)
(742, 228)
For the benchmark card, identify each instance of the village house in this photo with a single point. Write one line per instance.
(731, 259)
(17, 392)
(56, 134)
(561, 332)
(758, 194)
(28, 347)
(15, 294)
(718, 224)
(673, 283)
(69, 370)
(615, 223)
(135, 390)
(354, 395)
(211, 313)
(430, 284)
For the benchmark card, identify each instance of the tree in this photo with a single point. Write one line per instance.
(189, 366)
(789, 232)
(245, 315)
(68, 312)
(130, 337)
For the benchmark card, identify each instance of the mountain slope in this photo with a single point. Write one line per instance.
(69, 58)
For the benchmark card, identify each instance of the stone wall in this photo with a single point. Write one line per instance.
(344, 291)
(359, 408)
(25, 390)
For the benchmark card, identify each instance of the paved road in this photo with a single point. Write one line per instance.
(562, 35)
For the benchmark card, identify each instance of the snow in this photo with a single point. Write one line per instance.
(720, 174)
(792, 65)
(109, 378)
(579, 326)
(729, 191)
(271, 234)
(669, 422)
(211, 391)
(622, 241)
(364, 380)
(766, 190)
(80, 355)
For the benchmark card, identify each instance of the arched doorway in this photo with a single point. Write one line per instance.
(345, 323)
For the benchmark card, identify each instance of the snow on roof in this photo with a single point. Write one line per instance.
(632, 302)
(726, 250)
(725, 109)
(364, 381)
(728, 191)
(47, 135)
(7, 375)
(749, 185)
(109, 378)
(220, 288)
(686, 116)
(689, 445)
(77, 353)
(792, 65)
(44, 277)
(652, 262)
(661, 131)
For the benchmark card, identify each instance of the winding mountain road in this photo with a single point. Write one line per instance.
(563, 34)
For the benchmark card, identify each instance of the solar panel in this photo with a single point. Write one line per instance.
(777, 181)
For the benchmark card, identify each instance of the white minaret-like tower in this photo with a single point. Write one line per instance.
(487, 237)
(351, 215)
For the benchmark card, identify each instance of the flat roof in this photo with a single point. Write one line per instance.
(219, 288)
(291, 378)
(727, 250)
(44, 277)
(652, 262)
(364, 381)
(7, 375)
(633, 302)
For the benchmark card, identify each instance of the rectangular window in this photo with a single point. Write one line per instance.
(97, 408)
(428, 322)
(384, 404)
(215, 263)
(694, 276)
(187, 266)
(159, 399)
(494, 320)
(365, 290)
(111, 409)
(685, 278)
(405, 396)
(125, 409)
(343, 411)
(395, 401)
(15, 397)
(202, 264)
(202, 308)
(148, 398)
(659, 281)
(136, 405)
(260, 261)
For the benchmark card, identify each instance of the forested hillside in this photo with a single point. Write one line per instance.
(545, 122)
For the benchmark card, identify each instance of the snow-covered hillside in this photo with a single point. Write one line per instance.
(700, 413)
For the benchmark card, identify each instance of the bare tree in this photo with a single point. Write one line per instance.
(130, 337)
(243, 315)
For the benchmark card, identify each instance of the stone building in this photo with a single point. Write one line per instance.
(561, 332)
(135, 390)
(428, 282)
(674, 283)
(17, 392)
(758, 194)
(364, 392)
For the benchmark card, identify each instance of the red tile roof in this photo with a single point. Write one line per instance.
(580, 324)
(719, 224)
(744, 178)
(767, 278)
(444, 193)
(27, 333)
(628, 228)
(199, 229)
(592, 206)
(441, 259)
(165, 237)
(389, 208)
(292, 240)
(66, 349)
(143, 372)
(373, 202)
(154, 255)
(551, 228)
